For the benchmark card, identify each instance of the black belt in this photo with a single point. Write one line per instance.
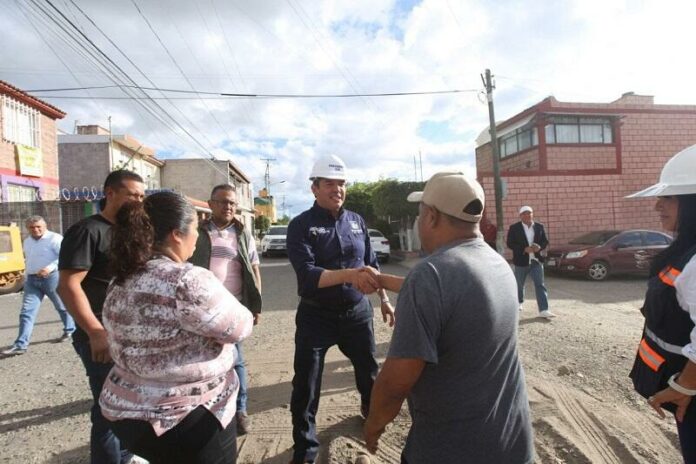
(328, 306)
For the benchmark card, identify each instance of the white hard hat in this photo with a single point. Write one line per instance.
(329, 167)
(678, 177)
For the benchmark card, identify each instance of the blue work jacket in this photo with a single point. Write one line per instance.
(317, 241)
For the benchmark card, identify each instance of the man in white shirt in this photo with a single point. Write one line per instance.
(527, 239)
(41, 251)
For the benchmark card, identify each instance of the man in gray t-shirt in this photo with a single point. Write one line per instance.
(454, 349)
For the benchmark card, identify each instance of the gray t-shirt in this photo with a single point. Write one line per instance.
(458, 311)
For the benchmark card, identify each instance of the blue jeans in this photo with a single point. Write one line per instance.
(104, 446)
(35, 288)
(536, 270)
(317, 330)
(240, 369)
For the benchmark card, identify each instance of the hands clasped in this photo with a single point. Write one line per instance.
(366, 280)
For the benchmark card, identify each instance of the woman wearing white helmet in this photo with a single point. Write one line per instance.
(664, 371)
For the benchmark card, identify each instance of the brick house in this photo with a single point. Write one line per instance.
(575, 162)
(86, 158)
(28, 151)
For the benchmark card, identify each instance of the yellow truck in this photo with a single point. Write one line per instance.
(11, 259)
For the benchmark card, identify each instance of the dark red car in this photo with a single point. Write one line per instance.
(600, 253)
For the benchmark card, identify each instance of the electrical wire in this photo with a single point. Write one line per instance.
(270, 95)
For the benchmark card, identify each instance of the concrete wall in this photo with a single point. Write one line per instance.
(197, 177)
(83, 164)
(193, 177)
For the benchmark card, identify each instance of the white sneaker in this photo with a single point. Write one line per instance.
(546, 314)
(137, 460)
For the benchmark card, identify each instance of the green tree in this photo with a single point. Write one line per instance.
(262, 223)
(284, 220)
(359, 199)
(389, 198)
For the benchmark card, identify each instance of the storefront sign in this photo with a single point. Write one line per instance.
(30, 161)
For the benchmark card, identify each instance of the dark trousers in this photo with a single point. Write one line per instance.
(687, 435)
(198, 439)
(104, 446)
(317, 330)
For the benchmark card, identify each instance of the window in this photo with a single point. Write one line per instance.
(653, 239)
(630, 239)
(21, 124)
(5, 242)
(518, 140)
(21, 193)
(572, 129)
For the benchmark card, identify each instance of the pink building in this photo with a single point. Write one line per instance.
(28, 147)
(575, 162)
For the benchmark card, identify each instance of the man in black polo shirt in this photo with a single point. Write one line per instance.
(329, 248)
(84, 278)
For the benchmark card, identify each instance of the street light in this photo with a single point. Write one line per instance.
(268, 186)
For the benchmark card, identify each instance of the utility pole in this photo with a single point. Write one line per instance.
(111, 144)
(267, 175)
(497, 181)
(415, 169)
(420, 161)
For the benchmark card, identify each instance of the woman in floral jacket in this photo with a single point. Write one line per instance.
(171, 328)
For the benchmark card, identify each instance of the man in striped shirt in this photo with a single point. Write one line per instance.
(229, 251)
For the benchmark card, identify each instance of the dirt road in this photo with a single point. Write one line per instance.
(582, 402)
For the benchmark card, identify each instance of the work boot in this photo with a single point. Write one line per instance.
(243, 423)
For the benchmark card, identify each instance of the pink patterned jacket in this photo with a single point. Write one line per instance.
(171, 330)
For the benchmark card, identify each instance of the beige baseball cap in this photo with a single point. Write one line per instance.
(451, 193)
(526, 209)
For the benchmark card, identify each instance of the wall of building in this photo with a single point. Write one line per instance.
(197, 177)
(83, 164)
(193, 177)
(9, 163)
(570, 205)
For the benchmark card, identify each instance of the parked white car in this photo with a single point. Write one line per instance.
(275, 241)
(380, 244)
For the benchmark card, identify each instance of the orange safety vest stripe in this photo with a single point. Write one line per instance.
(668, 275)
(650, 356)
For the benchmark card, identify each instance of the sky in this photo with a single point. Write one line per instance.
(575, 50)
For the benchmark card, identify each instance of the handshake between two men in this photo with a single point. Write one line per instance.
(369, 280)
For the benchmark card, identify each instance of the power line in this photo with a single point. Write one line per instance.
(266, 95)
(178, 67)
(107, 65)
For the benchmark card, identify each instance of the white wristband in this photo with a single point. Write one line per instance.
(385, 300)
(672, 382)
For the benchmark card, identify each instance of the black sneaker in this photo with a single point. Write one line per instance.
(66, 337)
(13, 351)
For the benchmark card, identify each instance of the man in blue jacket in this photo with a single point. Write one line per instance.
(329, 248)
